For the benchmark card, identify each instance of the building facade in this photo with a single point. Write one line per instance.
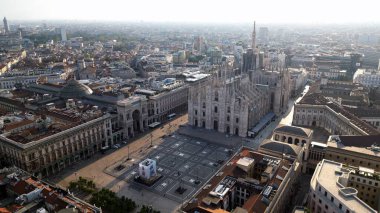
(294, 135)
(138, 111)
(227, 103)
(330, 192)
(358, 151)
(58, 150)
(368, 78)
(314, 110)
(278, 82)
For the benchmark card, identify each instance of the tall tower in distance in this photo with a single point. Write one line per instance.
(63, 34)
(254, 37)
(254, 49)
(6, 27)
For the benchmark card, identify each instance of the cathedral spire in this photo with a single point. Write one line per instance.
(254, 36)
(254, 50)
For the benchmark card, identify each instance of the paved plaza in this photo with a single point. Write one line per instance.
(182, 161)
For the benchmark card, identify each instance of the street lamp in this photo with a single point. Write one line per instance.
(151, 139)
(128, 153)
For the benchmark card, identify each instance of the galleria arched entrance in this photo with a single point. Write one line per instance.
(136, 116)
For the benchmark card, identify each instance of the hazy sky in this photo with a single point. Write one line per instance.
(264, 11)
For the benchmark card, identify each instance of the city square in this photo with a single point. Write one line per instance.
(182, 161)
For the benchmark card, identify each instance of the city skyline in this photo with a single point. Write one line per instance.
(190, 106)
(273, 11)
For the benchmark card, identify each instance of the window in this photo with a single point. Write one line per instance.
(228, 109)
(332, 199)
(319, 189)
(216, 109)
(326, 207)
(204, 114)
(203, 105)
(325, 194)
(228, 118)
(237, 120)
(320, 201)
(340, 206)
(196, 112)
(347, 211)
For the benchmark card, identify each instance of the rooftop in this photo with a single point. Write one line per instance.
(280, 147)
(364, 111)
(368, 144)
(294, 130)
(328, 174)
(47, 122)
(265, 175)
(319, 99)
(25, 185)
(74, 89)
(131, 100)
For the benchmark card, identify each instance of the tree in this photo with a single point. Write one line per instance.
(148, 209)
(108, 200)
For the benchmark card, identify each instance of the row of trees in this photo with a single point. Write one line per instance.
(148, 209)
(107, 199)
(84, 185)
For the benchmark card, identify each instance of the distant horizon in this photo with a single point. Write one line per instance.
(41, 21)
(196, 11)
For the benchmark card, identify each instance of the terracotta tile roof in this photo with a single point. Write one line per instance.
(319, 99)
(364, 111)
(14, 125)
(4, 210)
